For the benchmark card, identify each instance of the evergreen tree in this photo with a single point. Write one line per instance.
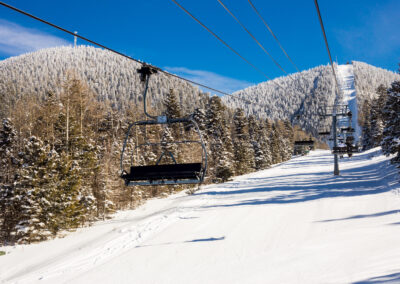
(9, 163)
(243, 150)
(366, 126)
(267, 146)
(288, 142)
(258, 140)
(275, 138)
(220, 155)
(172, 108)
(35, 188)
(169, 149)
(391, 116)
(376, 116)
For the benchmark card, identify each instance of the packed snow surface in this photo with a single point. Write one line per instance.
(348, 92)
(293, 223)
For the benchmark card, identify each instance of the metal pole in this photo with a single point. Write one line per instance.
(75, 38)
(335, 156)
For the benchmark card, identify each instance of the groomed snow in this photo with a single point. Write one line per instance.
(293, 223)
(349, 97)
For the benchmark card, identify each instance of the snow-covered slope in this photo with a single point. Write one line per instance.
(349, 96)
(293, 223)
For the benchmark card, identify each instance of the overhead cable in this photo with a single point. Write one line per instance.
(270, 30)
(254, 38)
(326, 42)
(109, 49)
(224, 43)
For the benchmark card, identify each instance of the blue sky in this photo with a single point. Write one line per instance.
(160, 33)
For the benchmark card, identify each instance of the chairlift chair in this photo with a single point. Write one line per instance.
(163, 174)
(339, 150)
(347, 130)
(300, 143)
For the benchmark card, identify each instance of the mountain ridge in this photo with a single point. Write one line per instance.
(114, 79)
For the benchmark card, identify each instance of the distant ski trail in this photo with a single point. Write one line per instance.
(347, 85)
(292, 223)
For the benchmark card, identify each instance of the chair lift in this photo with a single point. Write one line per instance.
(347, 130)
(339, 150)
(165, 174)
(300, 143)
(324, 133)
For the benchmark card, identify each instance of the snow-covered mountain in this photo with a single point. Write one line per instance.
(114, 78)
(111, 76)
(306, 93)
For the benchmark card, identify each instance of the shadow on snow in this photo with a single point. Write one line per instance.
(374, 178)
(365, 216)
(390, 278)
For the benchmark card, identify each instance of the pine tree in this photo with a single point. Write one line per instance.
(220, 156)
(391, 116)
(169, 149)
(366, 125)
(288, 142)
(36, 187)
(243, 150)
(267, 146)
(376, 116)
(10, 161)
(258, 140)
(276, 144)
(172, 108)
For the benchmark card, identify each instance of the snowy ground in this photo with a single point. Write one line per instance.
(346, 79)
(293, 223)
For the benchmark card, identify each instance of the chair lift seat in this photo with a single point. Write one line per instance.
(304, 143)
(190, 171)
(339, 150)
(324, 133)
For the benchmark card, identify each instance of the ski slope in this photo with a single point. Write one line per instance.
(348, 91)
(293, 223)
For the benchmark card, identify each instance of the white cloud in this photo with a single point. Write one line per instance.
(210, 79)
(15, 39)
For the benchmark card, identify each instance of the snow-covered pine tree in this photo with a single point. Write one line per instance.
(243, 150)
(258, 139)
(172, 107)
(267, 148)
(220, 156)
(276, 145)
(365, 119)
(168, 148)
(36, 189)
(173, 110)
(376, 115)
(391, 117)
(10, 161)
(288, 140)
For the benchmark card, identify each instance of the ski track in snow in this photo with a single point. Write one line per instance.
(292, 223)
